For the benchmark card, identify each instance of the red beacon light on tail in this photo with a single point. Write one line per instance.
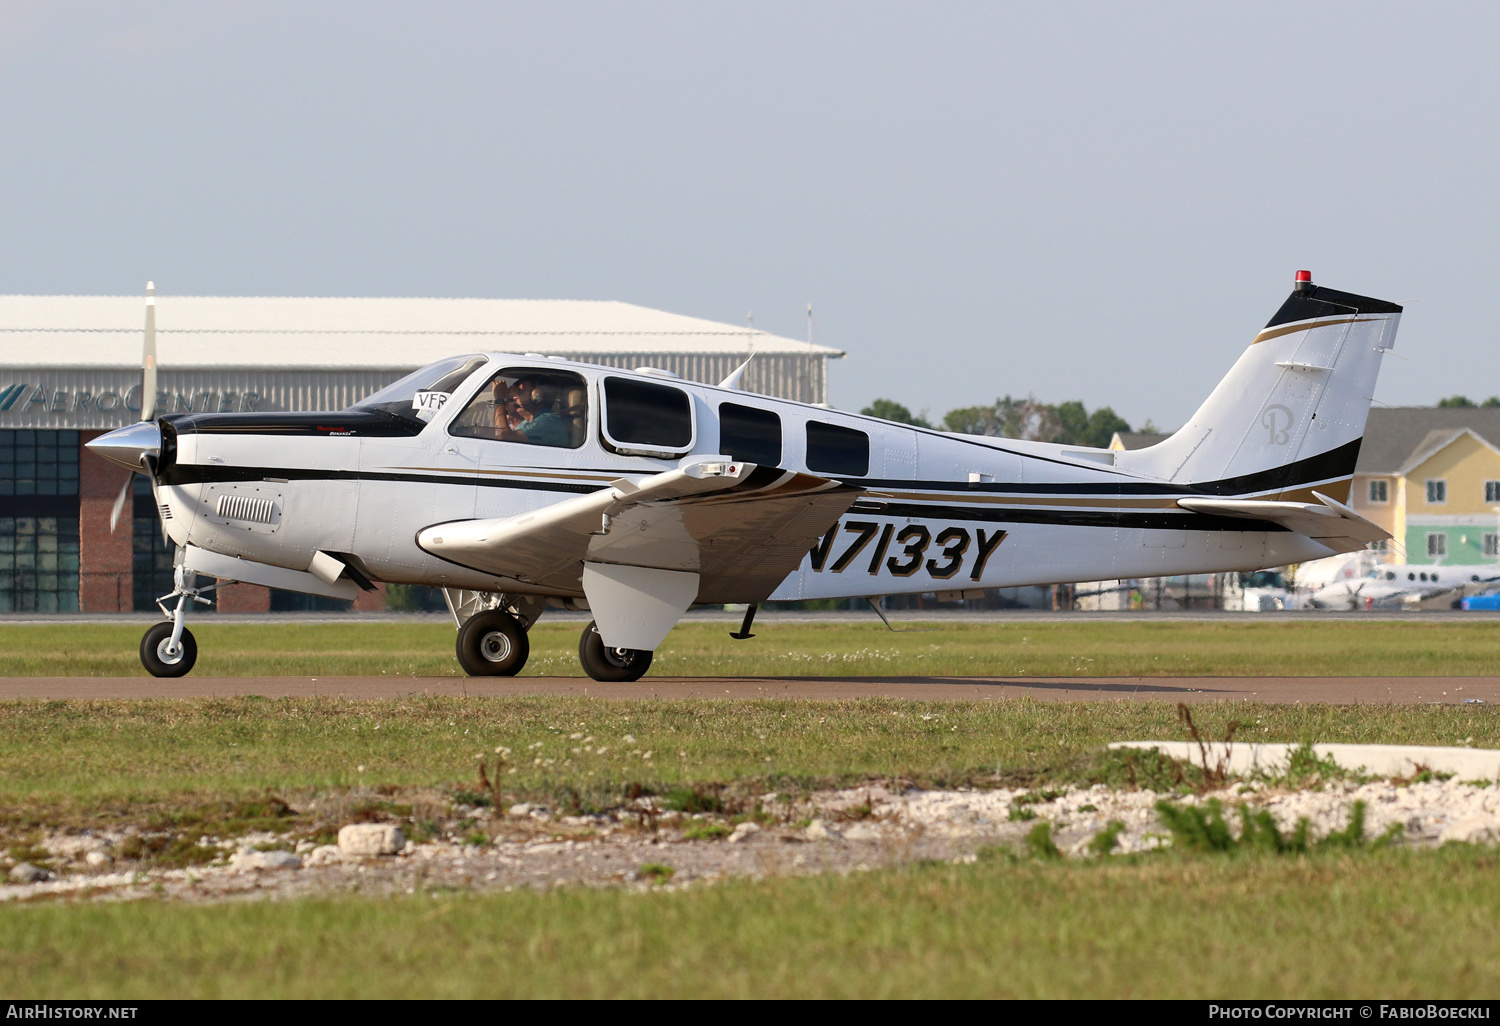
(1303, 281)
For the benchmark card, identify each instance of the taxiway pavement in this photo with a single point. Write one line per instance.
(1280, 690)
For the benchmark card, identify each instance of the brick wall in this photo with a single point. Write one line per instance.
(104, 557)
(243, 598)
(371, 601)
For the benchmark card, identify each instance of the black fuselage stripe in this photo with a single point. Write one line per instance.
(1150, 521)
(1331, 465)
(197, 473)
(192, 473)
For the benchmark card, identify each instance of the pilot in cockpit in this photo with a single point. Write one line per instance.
(524, 413)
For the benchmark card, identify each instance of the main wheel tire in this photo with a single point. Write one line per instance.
(610, 664)
(158, 661)
(492, 644)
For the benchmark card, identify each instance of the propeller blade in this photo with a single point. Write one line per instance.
(148, 357)
(119, 507)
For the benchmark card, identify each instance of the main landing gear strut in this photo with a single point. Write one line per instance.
(637, 605)
(169, 649)
(492, 638)
(607, 664)
(493, 643)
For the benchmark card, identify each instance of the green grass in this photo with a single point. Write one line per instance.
(80, 752)
(1400, 924)
(1396, 922)
(1140, 648)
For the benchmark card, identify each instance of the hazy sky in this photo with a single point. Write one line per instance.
(1077, 200)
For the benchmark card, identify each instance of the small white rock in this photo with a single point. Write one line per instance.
(743, 831)
(861, 832)
(265, 860)
(818, 830)
(323, 854)
(98, 859)
(303, 847)
(522, 809)
(371, 839)
(26, 873)
(1471, 830)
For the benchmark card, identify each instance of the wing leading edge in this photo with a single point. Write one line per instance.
(741, 528)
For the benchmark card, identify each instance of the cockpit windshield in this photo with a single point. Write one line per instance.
(420, 394)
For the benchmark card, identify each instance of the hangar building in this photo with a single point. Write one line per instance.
(70, 370)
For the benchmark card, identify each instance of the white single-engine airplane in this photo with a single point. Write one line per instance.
(518, 483)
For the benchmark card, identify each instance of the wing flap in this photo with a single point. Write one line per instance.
(1327, 521)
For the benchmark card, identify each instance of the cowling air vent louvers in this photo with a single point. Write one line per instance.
(246, 508)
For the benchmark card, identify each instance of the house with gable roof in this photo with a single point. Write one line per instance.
(1431, 477)
(1428, 475)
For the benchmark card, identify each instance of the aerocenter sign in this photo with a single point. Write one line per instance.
(28, 398)
(101, 398)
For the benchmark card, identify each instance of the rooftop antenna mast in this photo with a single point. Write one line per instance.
(809, 324)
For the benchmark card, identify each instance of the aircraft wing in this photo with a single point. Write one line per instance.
(740, 527)
(1328, 521)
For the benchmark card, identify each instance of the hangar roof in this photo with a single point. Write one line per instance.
(345, 333)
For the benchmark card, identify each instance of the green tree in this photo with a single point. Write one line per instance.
(1007, 418)
(1456, 402)
(972, 420)
(889, 409)
(1072, 423)
(1491, 402)
(1103, 423)
(1068, 423)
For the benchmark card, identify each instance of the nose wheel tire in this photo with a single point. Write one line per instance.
(610, 664)
(492, 644)
(156, 654)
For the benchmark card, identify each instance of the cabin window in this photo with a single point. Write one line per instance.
(1492, 491)
(1492, 545)
(646, 419)
(750, 435)
(1437, 544)
(832, 449)
(1437, 492)
(534, 407)
(1380, 491)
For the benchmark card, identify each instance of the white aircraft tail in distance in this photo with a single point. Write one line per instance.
(522, 483)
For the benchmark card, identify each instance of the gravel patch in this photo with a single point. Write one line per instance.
(844, 831)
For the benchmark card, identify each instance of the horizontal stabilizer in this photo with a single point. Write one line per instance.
(1328, 521)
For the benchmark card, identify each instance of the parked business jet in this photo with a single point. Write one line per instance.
(519, 483)
(1388, 585)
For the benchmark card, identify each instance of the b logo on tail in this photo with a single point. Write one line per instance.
(1278, 421)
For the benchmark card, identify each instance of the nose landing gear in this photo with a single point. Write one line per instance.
(164, 657)
(169, 649)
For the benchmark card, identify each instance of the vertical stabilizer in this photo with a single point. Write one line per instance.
(1290, 415)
